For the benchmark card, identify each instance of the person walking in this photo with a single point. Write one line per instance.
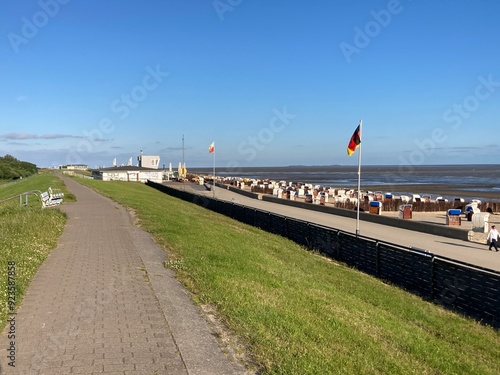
(493, 237)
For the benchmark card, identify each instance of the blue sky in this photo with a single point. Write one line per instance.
(271, 82)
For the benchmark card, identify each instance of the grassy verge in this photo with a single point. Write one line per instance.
(40, 182)
(27, 234)
(298, 312)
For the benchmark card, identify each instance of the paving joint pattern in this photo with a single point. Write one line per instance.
(103, 303)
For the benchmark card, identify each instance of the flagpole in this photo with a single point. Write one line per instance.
(359, 178)
(213, 186)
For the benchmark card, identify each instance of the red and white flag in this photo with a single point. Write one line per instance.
(211, 148)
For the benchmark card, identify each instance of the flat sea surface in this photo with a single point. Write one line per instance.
(478, 181)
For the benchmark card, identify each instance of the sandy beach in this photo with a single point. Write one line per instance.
(433, 217)
(437, 190)
(437, 217)
(449, 181)
(490, 199)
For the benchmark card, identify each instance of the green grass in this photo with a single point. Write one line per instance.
(297, 312)
(27, 234)
(40, 182)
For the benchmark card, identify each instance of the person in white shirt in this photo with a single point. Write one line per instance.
(493, 237)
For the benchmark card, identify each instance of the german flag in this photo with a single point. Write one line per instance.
(355, 141)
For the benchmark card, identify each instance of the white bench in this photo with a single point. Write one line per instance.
(47, 201)
(55, 195)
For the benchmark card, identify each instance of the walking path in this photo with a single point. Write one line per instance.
(470, 252)
(103, 303)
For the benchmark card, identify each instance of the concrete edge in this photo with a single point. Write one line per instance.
(444, 231)
(201, 352)
(418, 226)
(239, 191)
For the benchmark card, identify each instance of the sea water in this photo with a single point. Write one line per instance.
(473, 178)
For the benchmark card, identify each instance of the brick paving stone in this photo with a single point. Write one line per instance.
(92, 309)
(87, 369)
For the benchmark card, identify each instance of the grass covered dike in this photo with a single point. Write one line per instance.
(297, 312)
(27, 235)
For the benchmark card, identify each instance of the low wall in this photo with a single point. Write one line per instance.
(438, 230)
(234, 189)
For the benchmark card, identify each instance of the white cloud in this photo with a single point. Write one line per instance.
(24, 136)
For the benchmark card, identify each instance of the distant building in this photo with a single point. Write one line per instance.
(74, 167)
(149, 161)
(128, 173)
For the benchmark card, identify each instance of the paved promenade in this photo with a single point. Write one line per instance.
(470, 252)
(102, 303)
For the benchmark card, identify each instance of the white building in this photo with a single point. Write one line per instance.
(128, 173)
(81, 167)
(149, 161)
